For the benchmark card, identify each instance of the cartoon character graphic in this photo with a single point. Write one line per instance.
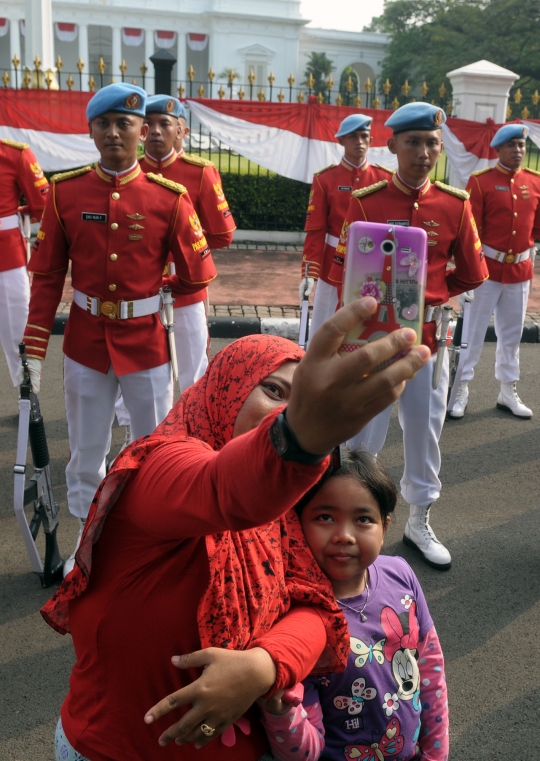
(401, 650)
(367, 652)
(354, 702)
(390, 743)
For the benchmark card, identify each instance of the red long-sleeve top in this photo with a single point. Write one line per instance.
(150, 569)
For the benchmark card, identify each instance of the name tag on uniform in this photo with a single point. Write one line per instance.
(90, 216)
(502, 187)
(399, 222)
(344, 187)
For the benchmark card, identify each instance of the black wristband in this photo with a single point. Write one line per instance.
(285, 444)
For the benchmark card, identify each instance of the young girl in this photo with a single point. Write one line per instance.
(391, 701)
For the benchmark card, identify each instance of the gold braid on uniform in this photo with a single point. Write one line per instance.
(180, 189)
(15, 144)
(532, 171)
(453, 191)
(326, 168)
(385, 168)
(361, 192)
(192, 158)
(69, 175)
(482, 171)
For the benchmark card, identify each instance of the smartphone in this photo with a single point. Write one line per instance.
(388, 262)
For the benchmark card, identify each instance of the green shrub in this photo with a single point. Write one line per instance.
(266, 202)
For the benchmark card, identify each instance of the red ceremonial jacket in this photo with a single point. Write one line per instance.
(21, 175)
(506, 207)
(203, 183)
(327, 206)
(117, 232)
(445, 214)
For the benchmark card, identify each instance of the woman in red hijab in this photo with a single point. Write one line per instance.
(172, 560)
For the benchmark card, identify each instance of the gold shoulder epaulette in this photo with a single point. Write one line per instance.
(15, 144)
(385, 168)
(180, 189)
(326, 168)
(361, 192)
(192, 158)
(532, 171)
(453, 191)
(69, 175)
(482, 171)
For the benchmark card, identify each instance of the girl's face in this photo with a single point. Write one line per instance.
(345, 532)
(272, 392)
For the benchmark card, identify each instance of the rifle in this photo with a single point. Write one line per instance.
(38, 490)
(304, 315)
(459, 350)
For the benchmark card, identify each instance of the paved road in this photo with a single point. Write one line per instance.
(486, 608)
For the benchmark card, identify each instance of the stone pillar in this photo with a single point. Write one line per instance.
(84, 55)
(14, 41)
(148, 52)
(116, 53)
(181, 68)
(39, 34)
(480, 92)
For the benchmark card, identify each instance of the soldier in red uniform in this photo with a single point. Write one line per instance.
(166, 119)
(505, 200)
(409, 198)
(117, 225)
(327, 205)
(21, 175)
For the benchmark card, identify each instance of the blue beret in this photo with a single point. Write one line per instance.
(509, 132)
(420, 116)
(165, 104)
(352, 123)
(121, 97)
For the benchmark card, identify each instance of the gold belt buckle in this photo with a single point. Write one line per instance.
(109, 309)
(509, 258)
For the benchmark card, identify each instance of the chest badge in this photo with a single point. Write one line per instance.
(135, 216)
(431, 223)
(136, 227)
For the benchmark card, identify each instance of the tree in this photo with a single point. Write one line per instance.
(343, 80)
(432, 37)
(320, 67)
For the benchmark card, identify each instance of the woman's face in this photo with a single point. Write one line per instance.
(271, 392)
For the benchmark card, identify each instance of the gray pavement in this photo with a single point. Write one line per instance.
(486, 608)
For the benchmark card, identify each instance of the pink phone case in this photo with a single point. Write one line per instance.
(388, 262)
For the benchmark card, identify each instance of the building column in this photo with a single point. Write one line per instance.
(116, 53)
(39, 34)
(84, 55)
(14, 42)
(181, 67)
(149, 83)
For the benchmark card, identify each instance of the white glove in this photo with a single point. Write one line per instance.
(34, 367)
(465, 298)
(305, 287)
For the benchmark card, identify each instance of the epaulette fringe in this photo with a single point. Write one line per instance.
(361, 192)
(326, 168)
(61, 176)
(482, 171)
(532, 171)
(15, 144)
(385, 168)
(192, 158)
(453, 191)
(175, 186)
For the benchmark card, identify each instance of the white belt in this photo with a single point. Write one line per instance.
(332, 240)
(508, 258)
(9, 223)
(124, 310)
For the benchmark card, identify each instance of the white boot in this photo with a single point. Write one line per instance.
(419, 535)
(509, 400)
(69, 565)
(462, 400)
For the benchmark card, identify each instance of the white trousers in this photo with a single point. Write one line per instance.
(14, 300)
(422, 412)
(191, 338)
(325, 303)
(90, 398)
(509, 303)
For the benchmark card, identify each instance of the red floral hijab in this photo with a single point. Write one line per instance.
(254, 574)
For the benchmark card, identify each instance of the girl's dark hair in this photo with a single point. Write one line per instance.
(370, 472)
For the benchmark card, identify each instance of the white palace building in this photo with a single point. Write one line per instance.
(265, 36)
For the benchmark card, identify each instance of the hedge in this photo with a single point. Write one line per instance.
(266, 202)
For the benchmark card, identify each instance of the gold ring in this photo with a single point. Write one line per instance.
(206, 730)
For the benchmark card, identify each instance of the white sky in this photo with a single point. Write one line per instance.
(351, 15)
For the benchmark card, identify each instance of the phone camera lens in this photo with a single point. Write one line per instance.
(388, 247)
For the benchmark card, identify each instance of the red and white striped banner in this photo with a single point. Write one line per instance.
(132, 37)
(197, 41)
(291, 139)
(66, 32)
(164, 39)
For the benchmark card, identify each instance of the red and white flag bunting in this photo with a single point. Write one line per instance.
(165, 39)
(132, 37)
(4, 26)
(291, 139)
(197, 41)
(66, 32)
